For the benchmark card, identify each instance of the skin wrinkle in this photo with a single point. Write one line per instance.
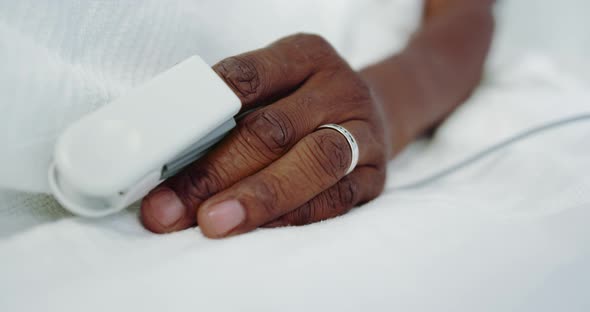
(301, 215)
(247, 155)
(282, 139)
(202, 184)
(334, 198)
(314, 177)
(240, 75)
(347, 191)
(257, 146)
(331, 152)
(339, 161)
(273, 129)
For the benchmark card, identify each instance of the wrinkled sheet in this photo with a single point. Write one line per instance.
(61, 60)
(507, 234)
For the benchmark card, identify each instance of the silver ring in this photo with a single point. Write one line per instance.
(354, 147)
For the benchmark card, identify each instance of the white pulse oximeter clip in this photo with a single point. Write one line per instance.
(114, 156)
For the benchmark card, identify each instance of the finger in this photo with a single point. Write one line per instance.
(362, 185)
(314, 164)
(259, 76)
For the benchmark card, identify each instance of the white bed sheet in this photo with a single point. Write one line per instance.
(508, 234)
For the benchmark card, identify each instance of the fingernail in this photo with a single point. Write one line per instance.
(224, 217)
(166, 207)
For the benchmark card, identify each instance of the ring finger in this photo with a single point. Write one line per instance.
(313, 165)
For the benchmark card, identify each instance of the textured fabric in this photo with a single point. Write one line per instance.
(558, 28)
(508, 234)
(63, 59)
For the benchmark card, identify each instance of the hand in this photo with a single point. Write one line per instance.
(276, 168)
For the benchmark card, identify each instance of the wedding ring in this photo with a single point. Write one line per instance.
(354, 148)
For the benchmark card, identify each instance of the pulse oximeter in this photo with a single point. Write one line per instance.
(115, 155)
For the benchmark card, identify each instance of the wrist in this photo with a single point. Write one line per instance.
(395, 89)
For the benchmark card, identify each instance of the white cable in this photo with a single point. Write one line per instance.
(490, 150)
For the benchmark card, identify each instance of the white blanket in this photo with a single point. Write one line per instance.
(508, 234)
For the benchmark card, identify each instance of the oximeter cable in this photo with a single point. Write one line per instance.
(523, 136)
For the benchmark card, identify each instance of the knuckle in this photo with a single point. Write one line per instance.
(313, 104)
(359, 100)
(355, 99)
(332, 153)
(357, 92)
(242, 74)
(316, 48)
(302, 216)
(270, 132)
(197, 185)
(343, 195)
(312, 39)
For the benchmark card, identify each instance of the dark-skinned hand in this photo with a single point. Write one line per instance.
(276, 168)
